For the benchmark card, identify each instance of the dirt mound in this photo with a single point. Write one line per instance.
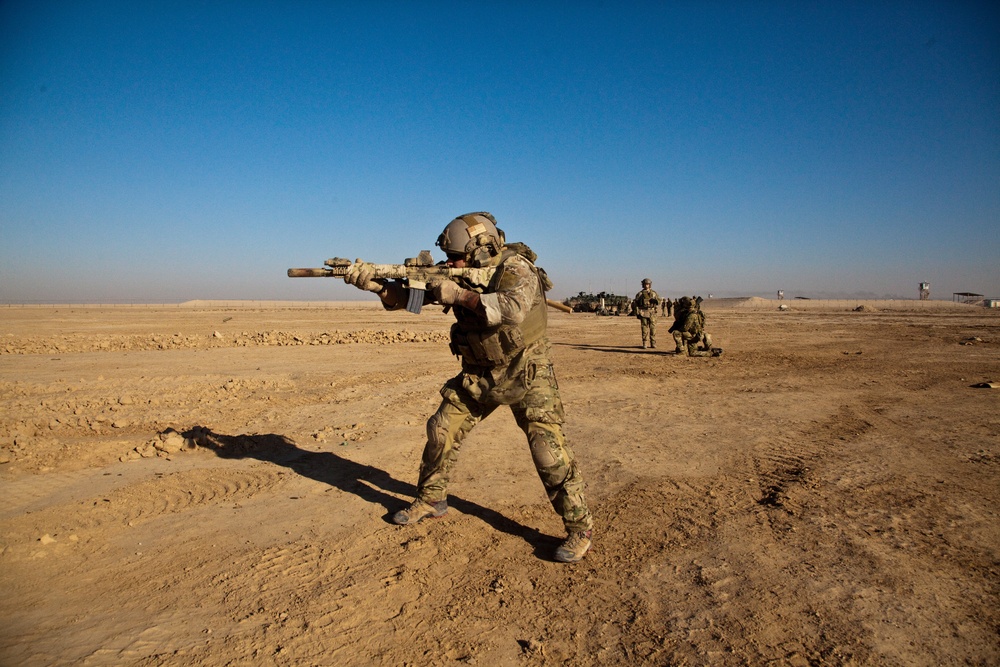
(735, 302)
(140, 342)
(755, 303)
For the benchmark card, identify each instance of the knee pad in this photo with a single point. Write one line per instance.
(437, 432)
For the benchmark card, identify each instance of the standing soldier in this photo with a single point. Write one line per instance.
(645, 303)
(500, 335)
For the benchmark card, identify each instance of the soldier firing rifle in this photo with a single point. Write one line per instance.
(497, 296)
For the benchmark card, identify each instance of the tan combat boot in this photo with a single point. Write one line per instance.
(418, 510)
(574, 547)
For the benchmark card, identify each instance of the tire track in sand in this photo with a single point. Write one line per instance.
(167, 493)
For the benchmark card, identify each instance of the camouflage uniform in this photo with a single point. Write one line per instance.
(689, 330)
(505, 361)
(645, 305)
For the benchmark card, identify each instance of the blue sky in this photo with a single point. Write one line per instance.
(161, 152)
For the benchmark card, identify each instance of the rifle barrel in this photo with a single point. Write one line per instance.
(312, 273)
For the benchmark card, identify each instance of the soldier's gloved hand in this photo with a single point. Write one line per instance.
(449, 293)
(362, 275)
(445, 292)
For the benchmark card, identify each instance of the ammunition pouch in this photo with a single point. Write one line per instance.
(489, 348)
(507, 385)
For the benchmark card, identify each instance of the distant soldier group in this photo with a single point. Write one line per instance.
(688, 328)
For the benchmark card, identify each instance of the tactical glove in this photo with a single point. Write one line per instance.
(362, 275)
(445, 292)
(449, 293)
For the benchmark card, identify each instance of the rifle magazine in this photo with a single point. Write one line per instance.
(414, 300)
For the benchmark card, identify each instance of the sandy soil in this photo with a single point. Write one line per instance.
(212, 486)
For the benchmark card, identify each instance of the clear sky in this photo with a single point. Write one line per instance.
(167, 151)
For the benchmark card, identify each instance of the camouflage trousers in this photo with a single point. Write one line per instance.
(648, 325)
(689, 342)
(539, 414)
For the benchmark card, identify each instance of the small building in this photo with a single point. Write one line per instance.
(966, 297)
(991, 303)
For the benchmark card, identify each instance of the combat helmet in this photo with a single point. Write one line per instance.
(646, 281)
(472, 235)
(684, 303)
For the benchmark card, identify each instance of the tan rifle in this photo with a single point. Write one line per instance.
(415, 273)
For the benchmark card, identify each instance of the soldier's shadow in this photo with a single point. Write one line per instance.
(367, 482)
(624, 349)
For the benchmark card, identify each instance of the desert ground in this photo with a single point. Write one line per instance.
(211, 484)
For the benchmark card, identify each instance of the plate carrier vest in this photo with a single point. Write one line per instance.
(492, 346)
